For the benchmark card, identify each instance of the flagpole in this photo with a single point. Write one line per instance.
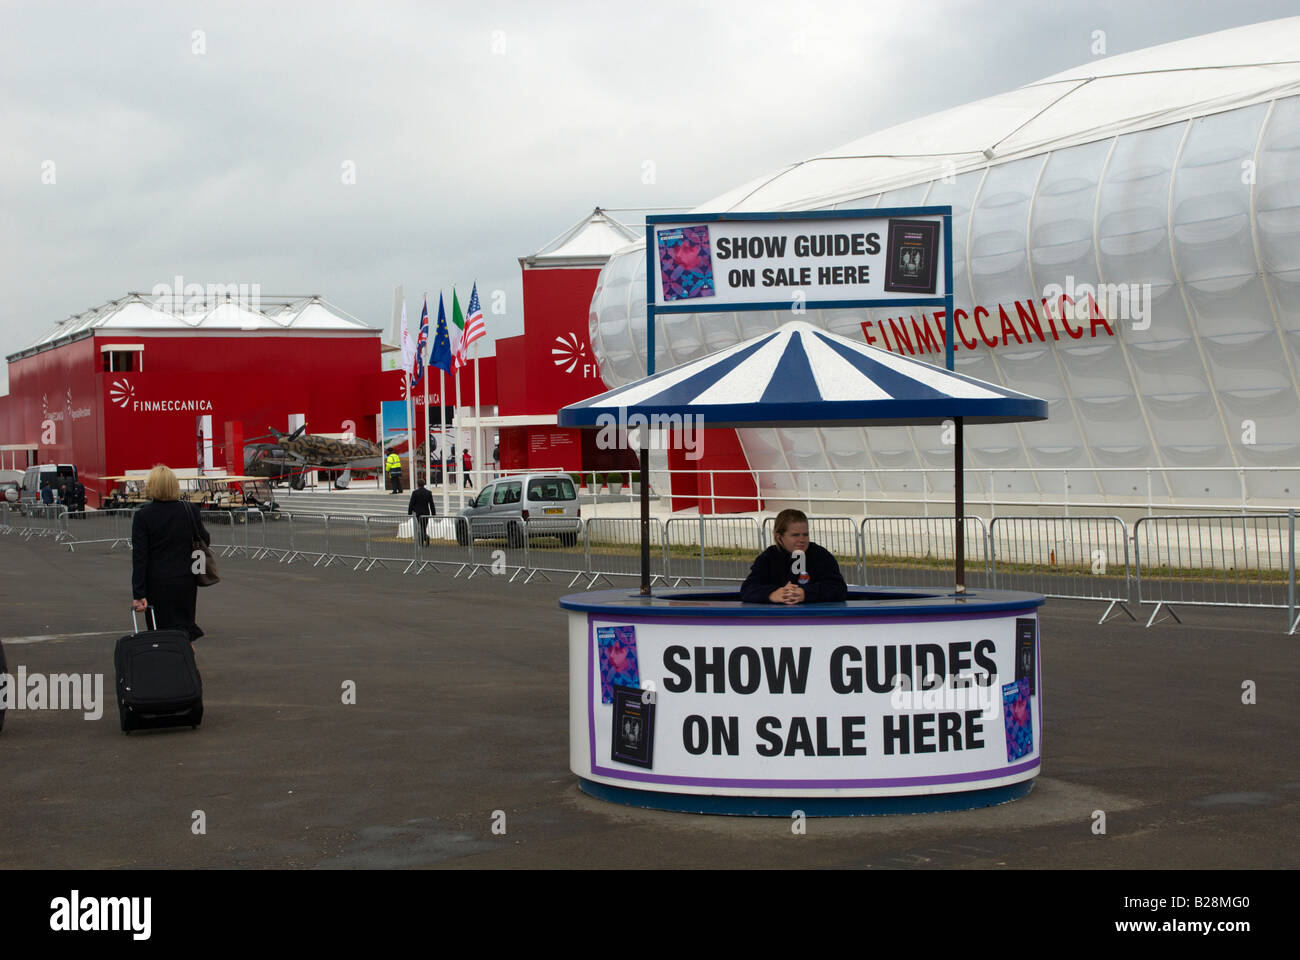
(408, 365)
(410, 430)
(428, 477)
(442, 443)
(459, 439)
(478, 422)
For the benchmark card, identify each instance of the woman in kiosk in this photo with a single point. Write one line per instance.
(794, 569)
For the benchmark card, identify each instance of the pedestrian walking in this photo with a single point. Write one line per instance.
(420, 509)
(163, 532)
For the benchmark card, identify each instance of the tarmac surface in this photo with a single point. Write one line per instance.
(461, 710)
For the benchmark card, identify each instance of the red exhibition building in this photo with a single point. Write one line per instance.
(144, 380)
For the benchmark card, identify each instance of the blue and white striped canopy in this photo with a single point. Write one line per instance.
(800, 375)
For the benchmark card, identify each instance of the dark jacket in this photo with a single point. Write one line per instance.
(772, 570)
(162, 564)
(421, 503)
(162, 537)
(47, 494)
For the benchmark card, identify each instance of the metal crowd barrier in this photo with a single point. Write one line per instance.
(498, 545)
(277, 536)
(725, 548)
(552, 545)
(1077, 558)
(86, 527)
(613, 549)
(443, 547)
(922, 551)
(347, 537)
(255, 533)
(389, 539)
(1225, 561)
(1216, 561)
(44, 520)
(223, 532)
(308, 536)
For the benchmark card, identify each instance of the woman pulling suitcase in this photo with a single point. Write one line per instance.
(162, 561)
(158, 683)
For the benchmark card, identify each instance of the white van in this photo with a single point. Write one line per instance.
(34, 478)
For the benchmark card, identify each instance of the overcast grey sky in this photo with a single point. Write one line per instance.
(476, 135)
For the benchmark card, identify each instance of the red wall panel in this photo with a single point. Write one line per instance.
(107, 423)
(561, 366)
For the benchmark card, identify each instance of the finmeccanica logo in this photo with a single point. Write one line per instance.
(122, 393)
(569, 351)
(76, 913)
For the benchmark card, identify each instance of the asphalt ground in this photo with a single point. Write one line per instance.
(461, 710)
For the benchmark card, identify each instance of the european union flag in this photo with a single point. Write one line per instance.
(441, 356)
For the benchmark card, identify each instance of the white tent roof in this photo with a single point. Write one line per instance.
(1094, 101)
(588, 243)
(139, 311)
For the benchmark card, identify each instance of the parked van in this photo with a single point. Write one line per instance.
(34, 478)
(500, 509)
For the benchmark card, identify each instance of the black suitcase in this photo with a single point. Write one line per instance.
(158, 683)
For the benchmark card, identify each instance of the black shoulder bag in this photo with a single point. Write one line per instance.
(209, 575)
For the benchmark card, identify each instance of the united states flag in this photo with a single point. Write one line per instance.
(474, 325)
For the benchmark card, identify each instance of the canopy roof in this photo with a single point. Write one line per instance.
(147, 313)
(1097, 100)
(588, 243)
(800, 375)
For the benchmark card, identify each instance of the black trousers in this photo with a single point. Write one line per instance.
(173, 602)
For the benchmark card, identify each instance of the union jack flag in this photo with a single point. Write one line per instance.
(418, 373)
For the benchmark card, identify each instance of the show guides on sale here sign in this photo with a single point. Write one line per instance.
(735, 705)
(734, 262)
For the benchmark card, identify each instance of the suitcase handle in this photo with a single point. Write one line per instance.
(136, 627)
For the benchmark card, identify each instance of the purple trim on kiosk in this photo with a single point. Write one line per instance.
(977, 605)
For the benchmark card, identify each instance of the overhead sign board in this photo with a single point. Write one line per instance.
(824, 259)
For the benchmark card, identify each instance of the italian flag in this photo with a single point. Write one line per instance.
(458, 319)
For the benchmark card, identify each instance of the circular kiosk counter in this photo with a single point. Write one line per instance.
(893, 701)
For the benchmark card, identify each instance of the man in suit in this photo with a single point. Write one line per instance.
(421, 507)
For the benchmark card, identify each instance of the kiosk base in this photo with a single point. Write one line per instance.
(811, 806)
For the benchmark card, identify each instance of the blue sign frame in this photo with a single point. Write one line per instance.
(946, 301)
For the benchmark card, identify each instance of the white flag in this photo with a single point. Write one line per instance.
(408, 346)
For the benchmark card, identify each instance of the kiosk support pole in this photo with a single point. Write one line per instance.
(645, 518)
(958, 476)
(645, 439)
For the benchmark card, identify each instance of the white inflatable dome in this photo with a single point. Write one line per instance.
(1175, 169)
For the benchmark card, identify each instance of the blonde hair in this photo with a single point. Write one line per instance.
(783, 521)
(162, 484)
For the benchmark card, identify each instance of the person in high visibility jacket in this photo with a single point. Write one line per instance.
(393, 464)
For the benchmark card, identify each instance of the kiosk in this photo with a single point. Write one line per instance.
(891, 701)
(901, 700)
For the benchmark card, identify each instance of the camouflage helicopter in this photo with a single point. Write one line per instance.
(294, 453)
